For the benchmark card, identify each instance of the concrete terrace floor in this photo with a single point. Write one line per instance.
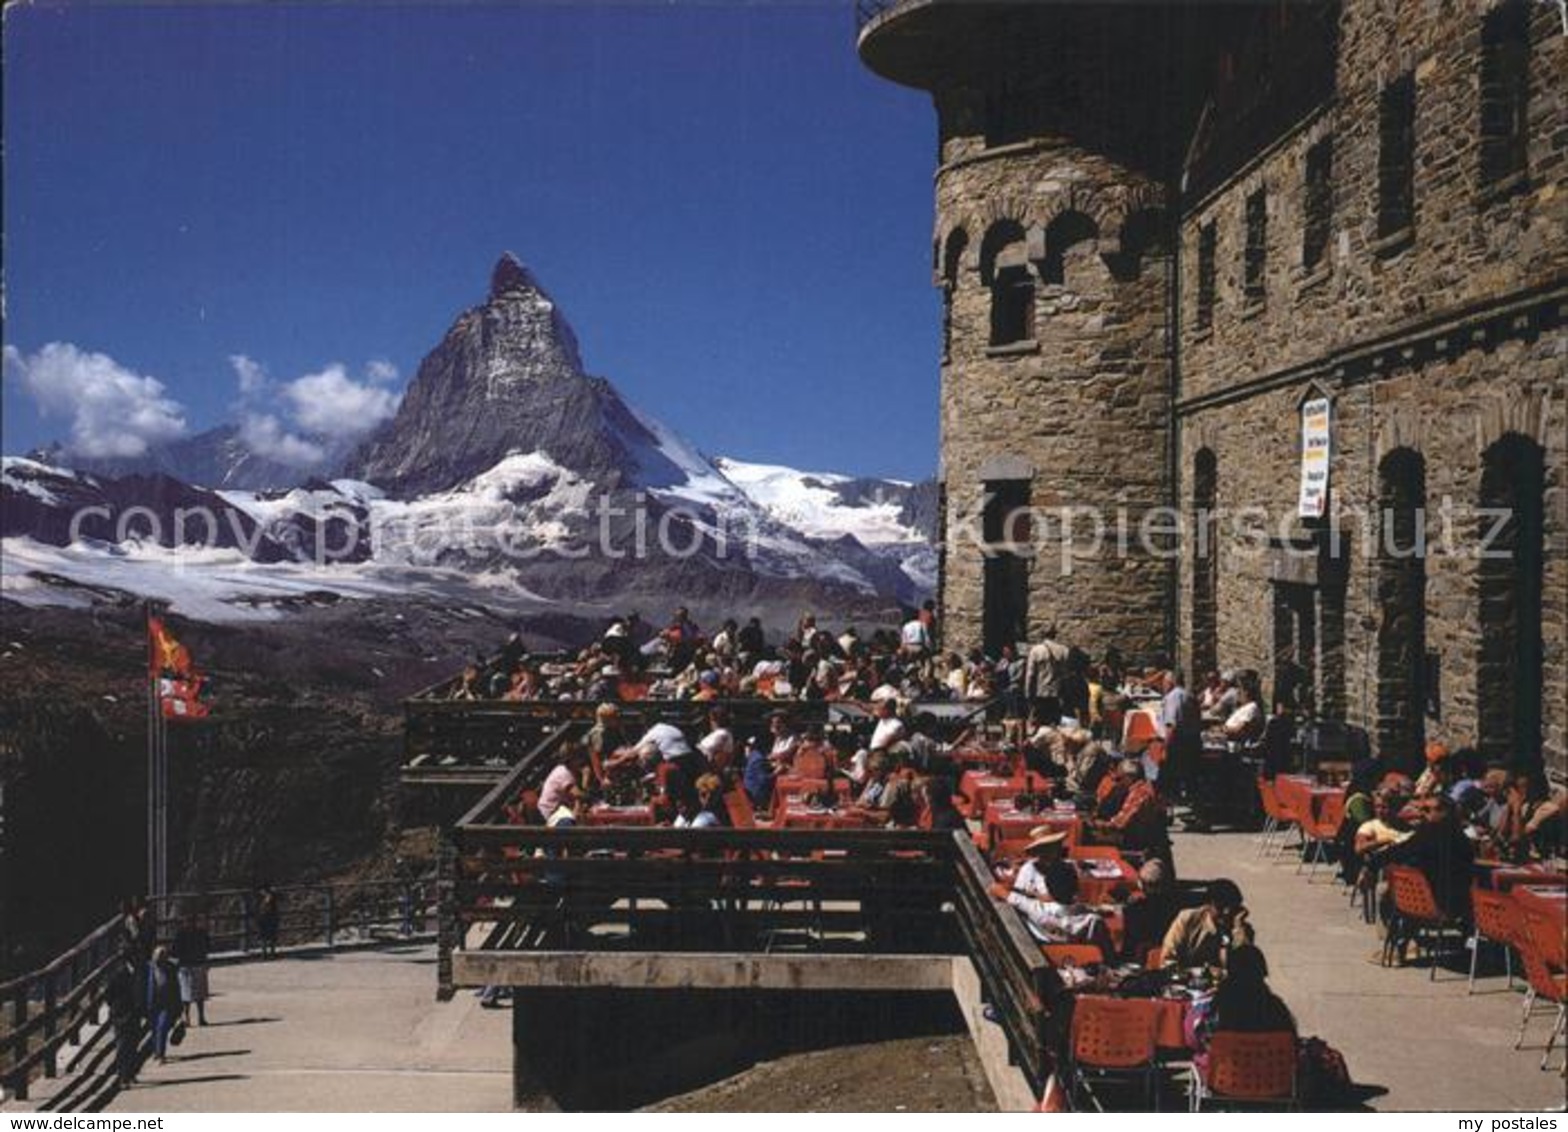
(346, 1032)
(1427, 1043)
(362, 1030)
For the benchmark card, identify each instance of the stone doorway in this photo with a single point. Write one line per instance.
(1509, 574)
(1401, 598)
(1008, 537)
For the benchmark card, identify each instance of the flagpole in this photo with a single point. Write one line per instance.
(152, 760)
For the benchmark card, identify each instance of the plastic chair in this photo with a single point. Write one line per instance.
(1319, 830)
(1416, 914)
(810, 762)
(1276, 819)
(1072, 954)
(1495, 921)
(1546, 983)
(1247, 1069)
(742, 814)
(1113, 1037)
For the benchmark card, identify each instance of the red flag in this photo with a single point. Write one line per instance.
(181, 699)
(179, 684)
(164, 653)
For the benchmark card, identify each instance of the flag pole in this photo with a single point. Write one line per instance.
(152, 758)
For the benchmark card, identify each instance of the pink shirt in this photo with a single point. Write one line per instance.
(556, 791)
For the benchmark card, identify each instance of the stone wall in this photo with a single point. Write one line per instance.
(1442, 341)
(1081, 410)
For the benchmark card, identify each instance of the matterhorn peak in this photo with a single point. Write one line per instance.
(510, 275)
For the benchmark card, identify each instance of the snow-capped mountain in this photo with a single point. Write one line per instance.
(506, 470)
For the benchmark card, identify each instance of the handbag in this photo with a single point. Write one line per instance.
(177, 1035)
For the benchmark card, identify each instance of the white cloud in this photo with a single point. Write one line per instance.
(265, 436)
(332, 404)
(114, 411)
(381, 371)
(251, 373)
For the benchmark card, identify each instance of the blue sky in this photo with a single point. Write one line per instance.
(734, 215)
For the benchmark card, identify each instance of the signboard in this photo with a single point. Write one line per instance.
(1314, 458)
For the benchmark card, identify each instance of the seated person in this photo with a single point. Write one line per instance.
(1139, 823)
(1533, 824)
(1246, 723)
(1242, 1003)
(757, 776)
(707, 810)
(1438, 776)
(1049, 903)
(945, 817)
(1204, 936)
(718, 745)
(1437, 845)
(560, 785)
(603, 740)
(1148, 912)
(1385, 827)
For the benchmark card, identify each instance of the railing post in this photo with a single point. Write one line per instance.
(447, 922)
(330, 911)
(51, 1000)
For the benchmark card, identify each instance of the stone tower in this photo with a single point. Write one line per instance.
(1058, 125)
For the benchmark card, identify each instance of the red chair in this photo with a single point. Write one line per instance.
(1276, 818)
(810, 762)
(1113, 1037)
(1319, 830)
(1139, 729)
(1417, 916)
(1495, 917)
(1540, 939)
(742, 815)
(1246, 1069)
(1060, 955)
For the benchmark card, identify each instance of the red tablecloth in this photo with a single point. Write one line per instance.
(986, 758)
(618, 815)
(1103, 889)
(799, 817)
(1007, 830)
(980, 788)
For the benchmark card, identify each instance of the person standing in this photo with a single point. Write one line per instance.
(1044, 668)
(162, 999)
(192, 945)
(123, 993)
(267, 916)
(1182, 725)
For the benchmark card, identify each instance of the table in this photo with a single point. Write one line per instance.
(988, 758)
(1006, 830)
(980, 788)
(1502, 877)
(1096, 880)
(800, 817)
(602, 814)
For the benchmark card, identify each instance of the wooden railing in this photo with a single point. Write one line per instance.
(44, 1010)
(528, 888)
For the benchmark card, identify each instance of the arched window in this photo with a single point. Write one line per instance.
(1512, 544)
(1205, 563)
(1401, 597)
(1006, 270)
(1065, 240)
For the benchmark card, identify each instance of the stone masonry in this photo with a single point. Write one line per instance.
(1440, 338)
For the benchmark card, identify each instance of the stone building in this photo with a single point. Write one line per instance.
(1254, 344)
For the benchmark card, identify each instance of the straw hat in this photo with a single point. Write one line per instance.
(1043, 837)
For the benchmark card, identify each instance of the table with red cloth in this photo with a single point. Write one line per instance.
(790, 789)
(803, 817)
(981, 787)
(995, 759)
(604, 814)
(1101, 872)
(1502, 877)
(1006, 829)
